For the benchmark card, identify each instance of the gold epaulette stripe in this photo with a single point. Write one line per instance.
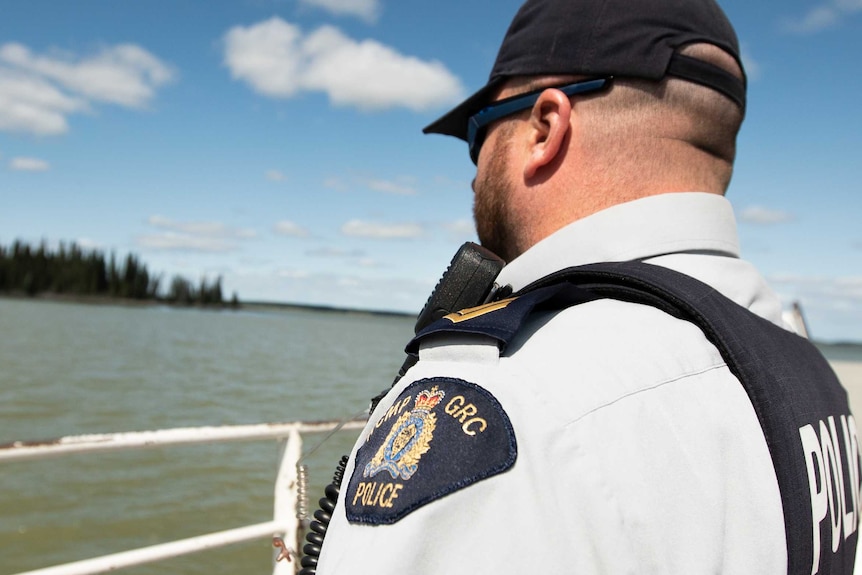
(474, 312)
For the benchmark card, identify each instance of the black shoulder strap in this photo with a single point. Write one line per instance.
(802, 407)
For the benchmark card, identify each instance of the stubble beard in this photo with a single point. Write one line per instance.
(492, 207)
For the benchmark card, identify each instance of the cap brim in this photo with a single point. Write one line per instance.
(454, 122)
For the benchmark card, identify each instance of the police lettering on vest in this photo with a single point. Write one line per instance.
(832, 462)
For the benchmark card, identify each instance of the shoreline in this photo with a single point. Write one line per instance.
(253, 306)
(846, 367)
(850, 375)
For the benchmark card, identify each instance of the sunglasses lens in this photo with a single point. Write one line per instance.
(475, 146)
(474, 139)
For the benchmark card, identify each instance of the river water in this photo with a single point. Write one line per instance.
(71, 369)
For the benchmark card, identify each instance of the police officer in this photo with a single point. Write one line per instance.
(610, 436)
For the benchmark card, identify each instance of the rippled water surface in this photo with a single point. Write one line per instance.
(71, 369)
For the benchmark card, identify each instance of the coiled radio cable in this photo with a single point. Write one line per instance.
(323, 516)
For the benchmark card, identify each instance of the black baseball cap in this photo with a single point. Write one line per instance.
(621, 38)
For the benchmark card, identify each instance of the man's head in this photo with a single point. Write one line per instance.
(595, 102)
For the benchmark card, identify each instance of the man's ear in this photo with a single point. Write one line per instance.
(549, 126)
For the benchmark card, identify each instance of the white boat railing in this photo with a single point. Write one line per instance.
(288, 509)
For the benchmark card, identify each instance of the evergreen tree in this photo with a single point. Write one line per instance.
(75, 271)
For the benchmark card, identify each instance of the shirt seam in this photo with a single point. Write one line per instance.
(646, 390)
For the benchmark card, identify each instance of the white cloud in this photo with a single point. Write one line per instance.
(350, 256)
(185, 242)
(752, 67)
(296, 285)
(293, 274)
(761, 215)
(32, 105)
(277, 59)
(265, 56)
(212, 237)
(460, 230)
(211, 229)
(837, 290)
(367, 10)
(853, 284)
(38, 92)
(388, 187)
(290, 229)
(125, 74)
(822, 17)
(362, 229)
(89, 244)
(29, 165)
(818, 19)
(401, 186)
(330, 252)
(336, 183)
(275, 176)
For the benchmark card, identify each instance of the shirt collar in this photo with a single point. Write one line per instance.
(640, 229)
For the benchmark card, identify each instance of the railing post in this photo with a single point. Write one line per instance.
(285, 502)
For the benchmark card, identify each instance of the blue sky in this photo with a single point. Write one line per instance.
(278, 143)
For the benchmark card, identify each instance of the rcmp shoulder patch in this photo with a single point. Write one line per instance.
(439, 436)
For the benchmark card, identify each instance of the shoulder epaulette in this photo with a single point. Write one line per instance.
(501, 320)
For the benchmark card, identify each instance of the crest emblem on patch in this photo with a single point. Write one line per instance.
(409, 439)
(438, 436)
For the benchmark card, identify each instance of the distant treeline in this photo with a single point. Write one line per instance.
(74, 271)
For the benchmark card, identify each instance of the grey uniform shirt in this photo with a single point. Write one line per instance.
(637, 450)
